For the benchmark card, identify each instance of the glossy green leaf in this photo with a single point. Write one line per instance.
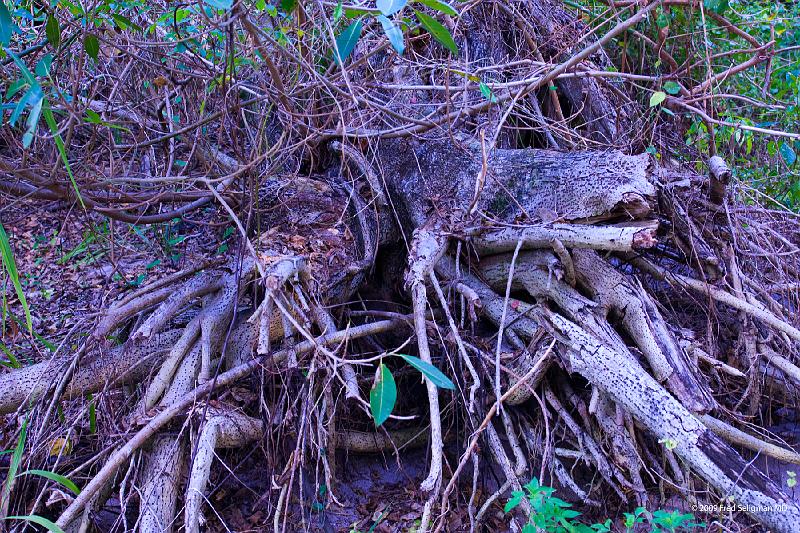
(657, 98)
(672, 88)
(219, 4)
(390, 7)
(787, 153)
(439, 32)
(487, 92)
(39, 520)
(7, 25)
(441, 7)
(514, 501)
(32, 122)
(92, 45)
(124, 23)
(10, 266)
(393, 33)
(42, 67)
(53, 31)
(429, 371)
(52, 476)
(383, 395)
(28, 99)
(347, 40)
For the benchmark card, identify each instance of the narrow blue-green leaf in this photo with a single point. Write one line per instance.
(15, 87)
(337, 12)
(393, 33)
(787, 153)
(62, 151)
(347, 40)
(32, 122)
(439, 32)
(33, 95)
(429, 371)
(52, 476)
(441, 7)
(383, 395)
(43, 65)
(40, 520)
(16, 459)
(10, 267)
(7, 25)
(13, 362)
(92, 46)
(219, 4)
(53, 31)
(390, 7)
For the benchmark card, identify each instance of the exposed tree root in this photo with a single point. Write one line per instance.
(536, 314)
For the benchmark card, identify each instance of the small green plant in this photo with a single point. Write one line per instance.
(9, 266)
(554, 515)
(383, 395)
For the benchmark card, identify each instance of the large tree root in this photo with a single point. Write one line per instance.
(537, 308)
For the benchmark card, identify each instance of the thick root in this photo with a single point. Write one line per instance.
(129, 363)
(624, 380)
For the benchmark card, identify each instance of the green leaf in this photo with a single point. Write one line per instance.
(58, 478)
(662, 20)
(219, 4)
(337, 12)
(32, 122)
(347, 40)
(42, 67)
(92, 45)
(28, 99)
(657, 98)
(7, 25)
(288, 5)
(93, 117)
(390, 7)
(429, 371)
(672, 88)
(124, 23)
(439, 32)
(13, 362)
(10, 267)
(53, 31)
(16, 459)
(516, 499)
(44, 522)
(717, 6)
(442, 7)
(394, 34)
(383, 395)
(487, 92)
(787, 153)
